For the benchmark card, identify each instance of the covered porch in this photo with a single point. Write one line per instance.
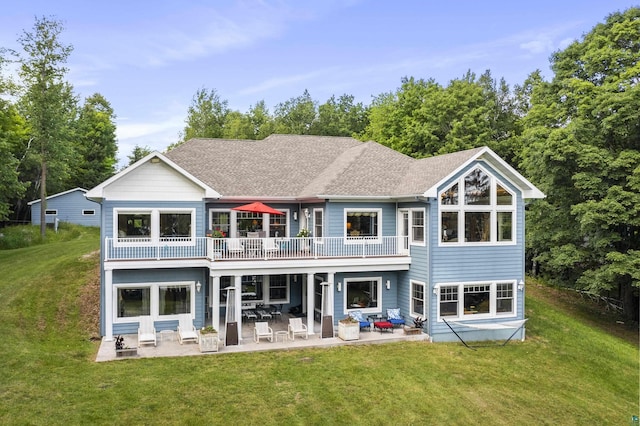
(168, 345)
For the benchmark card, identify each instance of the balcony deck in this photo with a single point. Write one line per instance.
(238, 249)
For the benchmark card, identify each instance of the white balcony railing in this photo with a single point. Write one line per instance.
(255, 248)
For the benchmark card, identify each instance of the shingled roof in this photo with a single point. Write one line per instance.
(299, 167)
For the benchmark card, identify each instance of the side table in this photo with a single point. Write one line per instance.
(282, 334)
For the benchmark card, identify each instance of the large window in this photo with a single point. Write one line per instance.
(483, 213)
(154, 226)
(276, 288)
(361, 223)
(417, 299)
(163, 301)
(362, 294)
(479, 300)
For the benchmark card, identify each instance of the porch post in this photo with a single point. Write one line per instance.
(108, 305)
(215, 302)
(330, 277)
(310, 307)
(237, 283)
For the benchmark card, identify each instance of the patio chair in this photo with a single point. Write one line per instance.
(358, 316)
(235, 246)
(270, 246)
(146, 331)
(261, 330)
(186, 331)
(249, 315)
(297, 327)
(276, 311)
(394, 317)
(264, 314)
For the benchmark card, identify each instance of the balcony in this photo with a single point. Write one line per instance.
(222, 249)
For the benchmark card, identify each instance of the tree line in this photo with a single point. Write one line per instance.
(576, 137)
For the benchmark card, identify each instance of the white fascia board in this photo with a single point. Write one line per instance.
(58, 195)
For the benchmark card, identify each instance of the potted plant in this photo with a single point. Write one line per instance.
(418, 324)
(218, 243)
(122, 350)
(349, 328)
(304, 235)
(209, 339)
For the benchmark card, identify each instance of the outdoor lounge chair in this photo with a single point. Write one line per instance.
(235, 246)
(297, 327)
(270, 246)
(394, 317)
(261, 330)
(146, 331)
(358, 316)
(186, 331)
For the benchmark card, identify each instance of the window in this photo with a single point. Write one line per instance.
(134, 225)
(174, 300)
(88, 212)
(220, 221)
(362, 294)
(417, 226)
(483, 214)
(484, 299)
(318, 224)
(51, 212)
(248, 222)
(154, 226)
(278, 225)
(362, 223)
(417, 299)
(162, 301)
(133, 302)
(278, 289)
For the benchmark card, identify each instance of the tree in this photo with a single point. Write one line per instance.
(206, 116)
(262, 123)
(296, 116)
(582, 148)
(95, 143)
(48, 100)
(340, 117)
(138, 153)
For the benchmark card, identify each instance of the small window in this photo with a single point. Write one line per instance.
(504, 298)
(417, 226)
(449, 301)
(278, 288)
(88, 212)
(51, 212)
(278, 225)
(318, 223)
(417, 299)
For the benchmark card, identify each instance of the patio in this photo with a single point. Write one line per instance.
(168, 345)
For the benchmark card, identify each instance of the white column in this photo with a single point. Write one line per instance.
(237, 283)
(108, 305)
(331, 289)
(310, 307)
(215, 302)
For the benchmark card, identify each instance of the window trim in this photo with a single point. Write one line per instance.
(154, 303)
(413, 283)
(366, 310)
(318, 239)
(412, 225)
(154, 232)
(493, 314)
(88, 212)
(51, 212)
(493, 208)
(348, 239)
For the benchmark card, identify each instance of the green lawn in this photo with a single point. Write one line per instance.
(568, 371)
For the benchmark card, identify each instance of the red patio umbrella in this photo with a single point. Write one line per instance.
(257, 207)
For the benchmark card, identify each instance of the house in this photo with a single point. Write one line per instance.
(441, 238)
(69, 206)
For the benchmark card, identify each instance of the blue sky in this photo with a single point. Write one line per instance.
(148, 58)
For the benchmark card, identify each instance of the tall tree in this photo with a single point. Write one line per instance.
(340, 117)
(262, 123)
(206, 116)
(48, 99)
(138, 153)
(582, 147)
(296, 115)
(95, 143)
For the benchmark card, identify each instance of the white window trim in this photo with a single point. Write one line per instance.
(316, 239)
(268, 223)
(47, 212)
(346, 282)
(154, 303)
(461, 208)
(267, 286)
(424, 227)
(154, 234)
(88, 212)
(492, 314)
(424, 301)
(358, 240)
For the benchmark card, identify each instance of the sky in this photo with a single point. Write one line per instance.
(148, 58)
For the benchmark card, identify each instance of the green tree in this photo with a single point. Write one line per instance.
(341, 117)
(296, 116)
(206, 116)
(48, 102)
(262, 123)
(582, 147)
(138, 153)
(95, 143)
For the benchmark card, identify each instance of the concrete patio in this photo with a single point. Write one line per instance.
(168, 345)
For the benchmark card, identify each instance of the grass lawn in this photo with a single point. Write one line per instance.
(575, 368)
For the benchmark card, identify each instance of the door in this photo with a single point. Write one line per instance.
(403, 230)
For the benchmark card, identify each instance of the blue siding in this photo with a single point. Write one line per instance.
(70, 207)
